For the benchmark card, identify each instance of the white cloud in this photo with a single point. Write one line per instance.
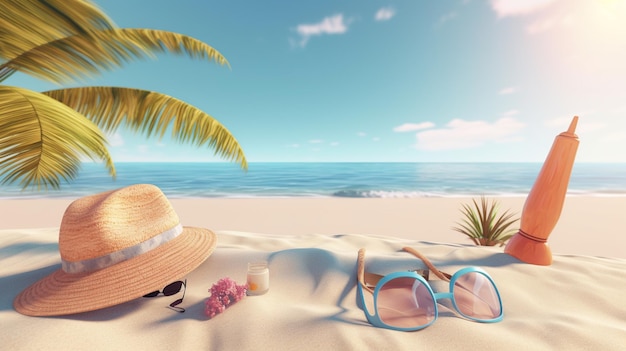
(587, 127)
(329, 25)
(411, 127)
(361, 134)
(334, 143)
(508, 90)
(541, 25)
(545, 24)
(385, 14)
(295, 146)
(460, 134)
(504, 8)
(619, 109)
(316, 141)
(375, 139)
(583, 126)
(559, 122)
(115, 139)
(143, 148)
(614, 137)
(510, 113)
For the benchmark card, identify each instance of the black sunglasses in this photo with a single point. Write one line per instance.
(169, 290)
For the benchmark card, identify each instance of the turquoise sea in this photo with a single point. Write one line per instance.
(359, 180)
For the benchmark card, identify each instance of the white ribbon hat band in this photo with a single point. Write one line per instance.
(108, 260)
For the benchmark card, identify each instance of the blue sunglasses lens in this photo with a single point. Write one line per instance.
(476, 297)
(405, 302)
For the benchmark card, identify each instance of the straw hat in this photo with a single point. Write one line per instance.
(115, 247)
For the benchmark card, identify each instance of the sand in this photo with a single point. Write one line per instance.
(587, 226)
(311, 246)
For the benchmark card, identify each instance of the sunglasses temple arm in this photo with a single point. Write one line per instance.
(174, 305)
(441, 275)
(184, 291)
(361, 271)
(369, 280)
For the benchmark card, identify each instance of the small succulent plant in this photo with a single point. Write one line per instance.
(483, 225)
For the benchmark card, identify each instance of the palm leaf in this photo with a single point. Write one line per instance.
(26, 24)
(84, 55)
(42, 141)
(151, 113)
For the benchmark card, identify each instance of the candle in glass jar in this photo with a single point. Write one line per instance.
(258, 278)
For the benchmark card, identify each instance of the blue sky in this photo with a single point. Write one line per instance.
(415, 81)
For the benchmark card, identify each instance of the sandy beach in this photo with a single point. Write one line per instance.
(588, 225)
(301, 190)
(311, 246)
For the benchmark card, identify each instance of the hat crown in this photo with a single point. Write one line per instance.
(101, 224)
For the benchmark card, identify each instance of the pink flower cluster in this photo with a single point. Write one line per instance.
(223, 294)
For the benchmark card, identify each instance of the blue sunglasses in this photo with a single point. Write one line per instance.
(405, 301)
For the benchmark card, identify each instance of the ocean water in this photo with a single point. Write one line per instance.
(357, 180)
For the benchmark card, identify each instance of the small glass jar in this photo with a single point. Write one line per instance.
(258, 278)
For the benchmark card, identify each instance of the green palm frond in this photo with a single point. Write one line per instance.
(483, 225)
(26, 24)
(151, 113)
(84, 55)
(42, 140)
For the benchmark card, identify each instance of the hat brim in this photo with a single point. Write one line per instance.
(62, 293)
